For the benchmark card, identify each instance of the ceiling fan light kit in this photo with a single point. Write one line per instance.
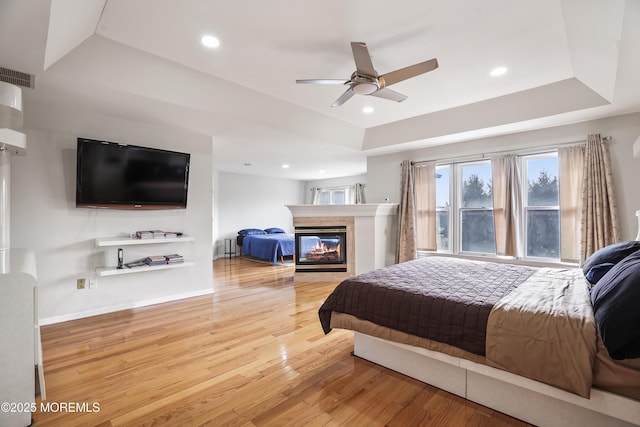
(366, 81)
(365, 88)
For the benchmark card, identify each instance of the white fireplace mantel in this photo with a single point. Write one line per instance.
(371, 234)
(364, 209)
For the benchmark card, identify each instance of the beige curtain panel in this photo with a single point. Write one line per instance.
(571, 162)
(406, 216)
(425, 204)
(315, 196)
(507, 205)
(599, 210)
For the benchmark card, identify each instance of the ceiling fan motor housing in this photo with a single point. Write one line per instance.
(364, 85)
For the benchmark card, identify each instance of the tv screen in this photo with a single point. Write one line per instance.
(121, 176)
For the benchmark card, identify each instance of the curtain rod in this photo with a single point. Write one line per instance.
(530, 150)
(337, 187)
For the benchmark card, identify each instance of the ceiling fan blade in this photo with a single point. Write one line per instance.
(323, 81)
(408, 72)
(363, 59)
(343, 98)
(389, 94)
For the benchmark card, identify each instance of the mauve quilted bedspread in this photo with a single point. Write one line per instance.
(438, 298)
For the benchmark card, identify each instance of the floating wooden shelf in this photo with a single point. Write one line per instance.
(126, 241)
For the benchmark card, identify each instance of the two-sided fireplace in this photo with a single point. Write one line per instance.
(322, 248)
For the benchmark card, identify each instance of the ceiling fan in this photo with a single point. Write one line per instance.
(366, 81)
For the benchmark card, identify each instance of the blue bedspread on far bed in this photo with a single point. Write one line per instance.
(269, 246)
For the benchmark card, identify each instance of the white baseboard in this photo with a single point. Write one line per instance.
(128, 306)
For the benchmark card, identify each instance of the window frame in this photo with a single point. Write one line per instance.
(455, 208)
(347, 189)
(460, 208)
(526, 207)
(449, 210)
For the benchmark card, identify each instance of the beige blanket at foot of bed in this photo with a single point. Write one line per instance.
(545, 330)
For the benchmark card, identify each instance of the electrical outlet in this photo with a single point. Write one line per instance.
(93, 283)
(81, 283)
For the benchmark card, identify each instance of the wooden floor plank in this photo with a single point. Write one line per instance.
(251, 354)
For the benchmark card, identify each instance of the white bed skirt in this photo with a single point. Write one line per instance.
(519, 397)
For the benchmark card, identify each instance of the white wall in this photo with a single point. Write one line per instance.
(215, 222)
(334, 182)
(383, 172)
(44, 217)
(248, 201)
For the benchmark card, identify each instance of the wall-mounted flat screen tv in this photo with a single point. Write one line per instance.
(122, 176)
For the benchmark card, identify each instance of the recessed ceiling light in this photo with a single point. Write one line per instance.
(498, 71)
(367, 110)
(210, 41)
(321, 171)
(285, 166)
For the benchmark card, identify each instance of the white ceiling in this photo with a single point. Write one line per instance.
(568, 61)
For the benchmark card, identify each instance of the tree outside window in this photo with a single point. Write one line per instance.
(542, 213)
(477, 232)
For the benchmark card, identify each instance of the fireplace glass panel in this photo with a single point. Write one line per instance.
(321, 249)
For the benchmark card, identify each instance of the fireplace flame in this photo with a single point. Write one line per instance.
(321, 248)
(323, 253)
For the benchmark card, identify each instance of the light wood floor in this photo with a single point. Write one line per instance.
(251, 354)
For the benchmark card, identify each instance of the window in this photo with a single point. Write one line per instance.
(542, 212)
(325, 197)
(476, 208)
(338, 197)
(443, 207)
(335, 195)
(465, 212)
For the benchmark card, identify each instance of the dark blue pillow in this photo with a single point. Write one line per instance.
(616, 305)
(596, 272)
(612, 253)
(274, 230)
(248, 231)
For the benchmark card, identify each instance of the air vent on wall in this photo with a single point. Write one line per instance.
(17, 78)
